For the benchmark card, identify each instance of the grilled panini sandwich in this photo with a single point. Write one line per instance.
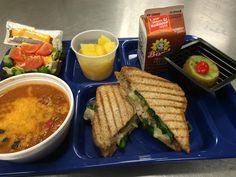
(160, 104)
(113, 120)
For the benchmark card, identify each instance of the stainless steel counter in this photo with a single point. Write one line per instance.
(213, 20)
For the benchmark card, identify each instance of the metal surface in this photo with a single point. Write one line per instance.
(212, 20)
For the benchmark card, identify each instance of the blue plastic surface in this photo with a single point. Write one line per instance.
(211, 117)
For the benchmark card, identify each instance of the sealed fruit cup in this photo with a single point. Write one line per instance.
(95, 51)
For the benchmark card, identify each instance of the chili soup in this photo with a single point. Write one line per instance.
(29, 114)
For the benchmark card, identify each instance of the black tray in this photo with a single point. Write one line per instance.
(226, 65)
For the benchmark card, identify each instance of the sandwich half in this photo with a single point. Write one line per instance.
(113, 118)
(160, 105)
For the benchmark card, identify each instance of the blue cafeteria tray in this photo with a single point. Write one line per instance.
(211, 116)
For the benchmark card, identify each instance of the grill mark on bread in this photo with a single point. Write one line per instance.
(119, 108)
(174, 121)
(166, 116)
(123, 107)
(145, 76)
(112, 110)
(178, 116)
(166, 103)
(102, 104)
(159, 84)
(124, 104)
(163, 110)
(98, 128)
(96, 115)
(157, 81)
(162, 96)
(180, 112)
(170, 100)
(132, 71)
(164, 106)
(178, 128)
(160, 90)
(182, 137)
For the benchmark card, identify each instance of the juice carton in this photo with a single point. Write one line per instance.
(161, 30)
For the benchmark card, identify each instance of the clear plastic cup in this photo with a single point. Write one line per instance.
(94, 67)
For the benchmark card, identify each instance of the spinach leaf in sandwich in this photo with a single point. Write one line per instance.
(159, 123)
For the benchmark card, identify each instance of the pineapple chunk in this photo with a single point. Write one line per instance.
(104, 46)
(103, 39)
(88, 49)
(99, 50)
(109, 47)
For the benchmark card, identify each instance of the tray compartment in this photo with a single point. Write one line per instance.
(140, 142)
(74, 74)
(222, 116)
(202, 136)
(226, 99)
(129, 53)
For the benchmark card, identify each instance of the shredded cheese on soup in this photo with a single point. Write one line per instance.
(29, 114)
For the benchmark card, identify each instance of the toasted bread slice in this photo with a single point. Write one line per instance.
(165, 98)
(113, 119)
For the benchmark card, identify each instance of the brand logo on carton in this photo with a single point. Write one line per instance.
(159, 47)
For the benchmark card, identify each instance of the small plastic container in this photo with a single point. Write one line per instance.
(94, 67)
(226, 65)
